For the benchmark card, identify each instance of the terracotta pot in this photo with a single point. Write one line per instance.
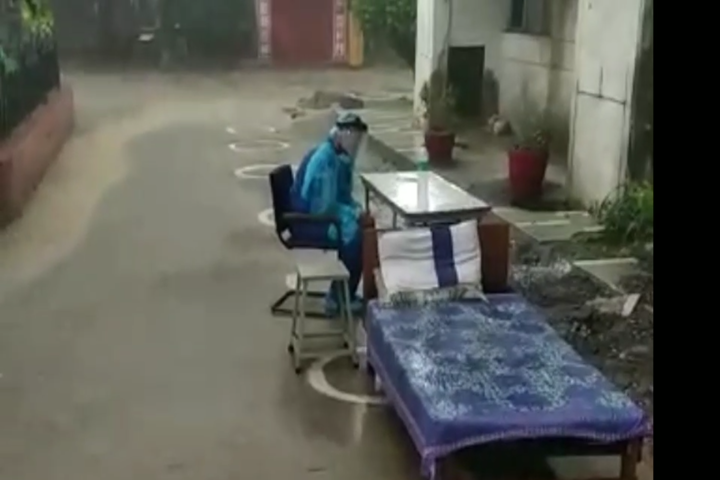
(439, 146)
(526, 170)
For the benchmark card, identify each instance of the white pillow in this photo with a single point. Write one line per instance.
(423, 259)
(382, 293)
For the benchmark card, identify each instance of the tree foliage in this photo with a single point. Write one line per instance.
(394, 21)
(26, 26)
(212, 26)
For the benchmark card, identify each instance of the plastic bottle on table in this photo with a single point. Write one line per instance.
(423, 165)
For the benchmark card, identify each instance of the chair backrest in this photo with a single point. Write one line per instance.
(281, 182)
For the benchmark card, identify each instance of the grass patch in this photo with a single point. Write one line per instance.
(628, 214)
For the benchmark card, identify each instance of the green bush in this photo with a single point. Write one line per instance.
(628, 214)
(213, 27)
(393, 21)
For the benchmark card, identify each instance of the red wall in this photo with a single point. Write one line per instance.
(302, 32)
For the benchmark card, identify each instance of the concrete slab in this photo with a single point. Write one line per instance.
(558, 230)
(521, 216)
(609, 270)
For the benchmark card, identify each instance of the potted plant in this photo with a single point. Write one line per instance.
(439, 103)
(527, 161)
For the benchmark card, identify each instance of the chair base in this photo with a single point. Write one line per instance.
(277, 308)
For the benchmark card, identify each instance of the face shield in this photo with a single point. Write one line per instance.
(352, 134)
(352, 141)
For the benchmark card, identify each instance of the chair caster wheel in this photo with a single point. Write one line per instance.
(298, 370)
(356, 365)
(290, 348)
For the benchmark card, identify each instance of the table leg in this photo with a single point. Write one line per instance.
(367, 200)
(394, 219)
(629, 460)
(448, 469)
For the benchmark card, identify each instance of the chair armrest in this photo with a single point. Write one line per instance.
(295, 217)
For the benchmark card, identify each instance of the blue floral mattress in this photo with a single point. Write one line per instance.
(467, 373)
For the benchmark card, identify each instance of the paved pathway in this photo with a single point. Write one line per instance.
(135, 341)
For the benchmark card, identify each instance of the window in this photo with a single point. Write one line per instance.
(529, 16)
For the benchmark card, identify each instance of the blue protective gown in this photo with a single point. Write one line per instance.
(323, 185)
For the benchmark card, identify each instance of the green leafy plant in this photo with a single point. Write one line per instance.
(531, 133)
(210, 27)
(9, 38)
(27, 27)
(628, 213)
(7, 63)
(439, 102)
(530, 123)
(392, 20)
(37, 19)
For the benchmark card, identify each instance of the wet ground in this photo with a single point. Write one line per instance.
(621, 347)
(135, 337)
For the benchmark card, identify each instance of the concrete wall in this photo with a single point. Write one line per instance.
(607, 46)
(480, 23)
(433, 26)
(580, 74)
(457, 23)
(537, 72)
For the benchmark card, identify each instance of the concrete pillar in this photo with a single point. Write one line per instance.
(264, 18)
(356, 42)
(433, 27)
(607, 46)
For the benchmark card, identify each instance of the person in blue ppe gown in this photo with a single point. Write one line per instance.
(323, 186)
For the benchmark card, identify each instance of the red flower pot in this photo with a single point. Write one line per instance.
(439, 146)
(526, 173)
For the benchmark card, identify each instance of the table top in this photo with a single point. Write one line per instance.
(418, 194)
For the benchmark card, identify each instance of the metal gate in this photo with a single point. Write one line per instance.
(100, 26)
(109, 27)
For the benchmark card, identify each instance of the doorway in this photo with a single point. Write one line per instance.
(302, 32)
(465, 75)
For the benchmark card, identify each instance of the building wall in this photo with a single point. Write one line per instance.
(480, 23)
(579, 74)
(457, 23)
(433, 27)
(533, 72)
(609, 33)
(537, 74)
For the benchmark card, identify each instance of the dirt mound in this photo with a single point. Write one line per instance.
(321, 100)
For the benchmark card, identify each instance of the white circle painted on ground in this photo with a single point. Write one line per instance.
(255, 172)
(267, 218)
(318, 381)
(232, 131)
(259, 144)
(258, 172)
